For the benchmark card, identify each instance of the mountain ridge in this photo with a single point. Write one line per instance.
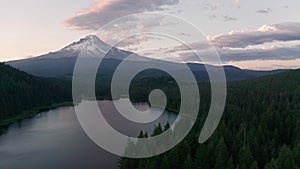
(60, 64)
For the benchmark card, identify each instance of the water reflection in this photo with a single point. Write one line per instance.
(55, 140)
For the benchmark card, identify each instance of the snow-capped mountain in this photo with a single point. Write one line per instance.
(61, 64)
(90, 46)
(94, 47)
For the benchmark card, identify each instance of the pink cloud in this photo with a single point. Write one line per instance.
(285, 32)
(236, 1)
(102, 12)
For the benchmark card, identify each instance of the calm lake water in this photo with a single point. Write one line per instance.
(55, 140)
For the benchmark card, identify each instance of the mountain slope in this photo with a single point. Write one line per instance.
(60, 64)
(23, 95)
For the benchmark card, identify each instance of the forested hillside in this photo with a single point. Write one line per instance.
(23, 95)
(260, 129)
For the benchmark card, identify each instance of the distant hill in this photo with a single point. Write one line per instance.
(23, 95)
(60, 64)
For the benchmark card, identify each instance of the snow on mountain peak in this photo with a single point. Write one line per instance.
(90, 43)
(92, 46)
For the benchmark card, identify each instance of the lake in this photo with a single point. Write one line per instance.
(55, 140)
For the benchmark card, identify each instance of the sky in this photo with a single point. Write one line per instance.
(256, 34)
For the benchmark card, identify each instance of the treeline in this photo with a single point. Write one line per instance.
(260, 129)
(24, 95)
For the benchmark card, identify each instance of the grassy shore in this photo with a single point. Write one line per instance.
(31, 113)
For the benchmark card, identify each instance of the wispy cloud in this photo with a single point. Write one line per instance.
(217, 5)
(102, 12)
(225, 18)
(227, 55)
(229, 18)
(288, 31)
(212, 17)
(214, 6)
(264, 11)
(259, 44)
(281, 53)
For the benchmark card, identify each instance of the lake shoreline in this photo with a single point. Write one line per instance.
(31, 113)
(55, 138)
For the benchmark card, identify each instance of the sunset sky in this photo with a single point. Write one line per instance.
(256, 34)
